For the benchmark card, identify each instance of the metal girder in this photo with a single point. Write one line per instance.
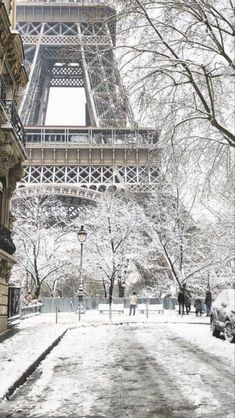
(86, 43)
(91, 176)
(68, 192)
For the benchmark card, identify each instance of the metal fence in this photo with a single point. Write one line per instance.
(71, 304)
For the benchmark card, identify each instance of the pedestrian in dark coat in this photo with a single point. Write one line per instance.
(208, 301)
(181, 301)
(198, 306)
(187, 301)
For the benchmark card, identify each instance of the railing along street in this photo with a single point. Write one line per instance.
(25, 311)
(30, 310)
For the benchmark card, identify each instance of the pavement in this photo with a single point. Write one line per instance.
(22, 348)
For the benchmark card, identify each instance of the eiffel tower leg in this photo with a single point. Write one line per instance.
(89, 97)
(44, 102)
(26, 102)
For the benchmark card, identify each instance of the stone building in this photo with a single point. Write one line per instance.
(12, 153)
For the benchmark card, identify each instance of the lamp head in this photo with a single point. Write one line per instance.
(82, 234)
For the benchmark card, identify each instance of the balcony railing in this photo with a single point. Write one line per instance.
(92, 136)
(61, 2)
(6, 243)
(16, 121)
(2, 92)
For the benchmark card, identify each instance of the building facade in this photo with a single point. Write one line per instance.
(12, 139)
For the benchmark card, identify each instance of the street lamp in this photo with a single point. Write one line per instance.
(82, 234)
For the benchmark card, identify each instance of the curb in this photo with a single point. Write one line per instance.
(32, 367)
(10, 332)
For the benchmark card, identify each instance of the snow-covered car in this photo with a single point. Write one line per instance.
(223, 315)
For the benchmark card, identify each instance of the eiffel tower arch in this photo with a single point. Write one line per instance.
(71, 44)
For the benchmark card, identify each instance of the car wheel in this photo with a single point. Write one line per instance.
(229, 336)
(214, 330)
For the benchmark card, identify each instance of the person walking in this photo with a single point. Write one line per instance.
(133, 303)
(208, 301)
(187, 299)
(181, 301)
(198, 306)
(187, 302)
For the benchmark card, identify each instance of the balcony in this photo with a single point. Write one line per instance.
(15, 121)
(2, 92)
(6, 243)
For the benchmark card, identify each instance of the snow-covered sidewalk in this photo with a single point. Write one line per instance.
(19, 352)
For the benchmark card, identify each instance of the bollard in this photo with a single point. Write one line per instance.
(147, 308)
(110, 312)
(56, 314)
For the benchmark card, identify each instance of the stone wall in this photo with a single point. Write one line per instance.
(3, 304)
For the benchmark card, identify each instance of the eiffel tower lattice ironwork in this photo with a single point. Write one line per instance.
(71, 44)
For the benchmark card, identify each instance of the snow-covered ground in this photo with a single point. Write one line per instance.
(17, 353)
(161, 366)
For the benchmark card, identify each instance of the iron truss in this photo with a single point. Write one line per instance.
(96, 178)
(84, 46)
(85, 183)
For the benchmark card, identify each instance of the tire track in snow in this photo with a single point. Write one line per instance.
(221, 385)
(209, 380)
(143, 388)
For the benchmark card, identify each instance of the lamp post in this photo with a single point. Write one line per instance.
(82, 234)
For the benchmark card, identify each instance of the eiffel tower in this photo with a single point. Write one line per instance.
(71, 44)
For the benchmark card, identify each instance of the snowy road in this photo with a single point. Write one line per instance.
(129, 370)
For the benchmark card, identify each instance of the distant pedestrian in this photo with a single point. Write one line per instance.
(187, 302)
(187, 298)
(208, 301)
(133, 303)
(181, 301)
(198, 306)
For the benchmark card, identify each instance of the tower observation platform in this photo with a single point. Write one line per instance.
(71, 44)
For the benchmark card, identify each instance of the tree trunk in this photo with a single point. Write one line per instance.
(105, 290)
(37, 291)
(121, 289)
(111, 290)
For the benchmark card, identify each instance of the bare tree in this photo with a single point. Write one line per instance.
(180, 57)
(113, 227)
(41, 241)
(191, 249)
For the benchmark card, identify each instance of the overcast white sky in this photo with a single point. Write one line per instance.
(66, 106)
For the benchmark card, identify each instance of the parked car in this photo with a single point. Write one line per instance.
(223, 315)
